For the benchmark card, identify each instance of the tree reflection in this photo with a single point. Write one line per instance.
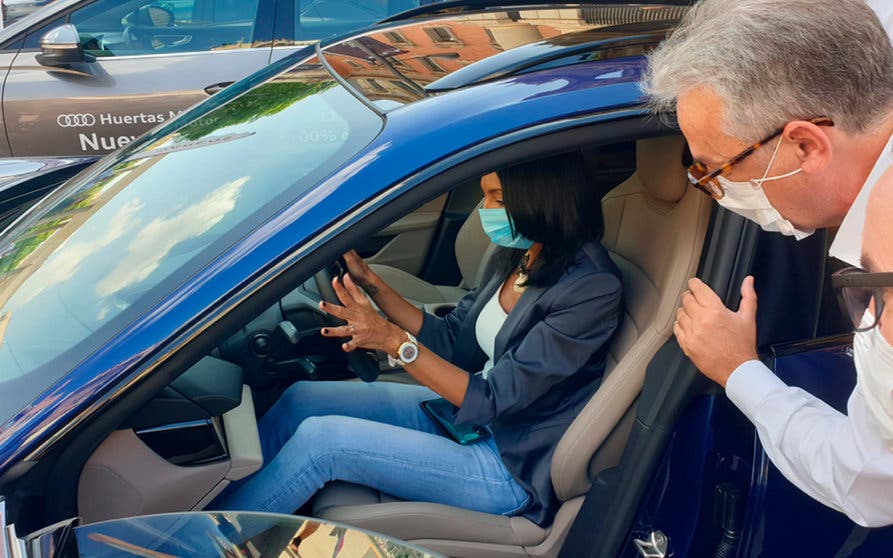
(265, 100)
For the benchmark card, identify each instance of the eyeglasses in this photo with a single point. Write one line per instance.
(706, 181)
(856, 289)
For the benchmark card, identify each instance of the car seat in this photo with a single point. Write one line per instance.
(472, 247)
(654, 229)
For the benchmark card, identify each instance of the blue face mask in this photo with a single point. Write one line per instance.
(498, 227)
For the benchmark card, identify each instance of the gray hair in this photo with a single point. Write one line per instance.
(773, 61)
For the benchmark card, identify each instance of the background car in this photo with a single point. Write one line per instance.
(140, 62)
(14, 10)
(154, 305)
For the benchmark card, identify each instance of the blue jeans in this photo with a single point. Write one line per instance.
(375, 435)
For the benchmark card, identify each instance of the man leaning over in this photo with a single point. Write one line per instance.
(789, 118)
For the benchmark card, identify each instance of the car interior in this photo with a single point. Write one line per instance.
(156, 27)
(199, 433)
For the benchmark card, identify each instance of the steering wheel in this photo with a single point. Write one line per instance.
(363, 363)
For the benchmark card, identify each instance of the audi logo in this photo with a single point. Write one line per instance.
(75, 120)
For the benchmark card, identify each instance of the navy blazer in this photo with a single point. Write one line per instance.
(549, 359)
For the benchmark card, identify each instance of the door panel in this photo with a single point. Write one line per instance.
(6, 60)
(126, 477)
(104, 105)
(152, 60)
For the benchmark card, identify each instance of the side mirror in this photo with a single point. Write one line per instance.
(61, 46)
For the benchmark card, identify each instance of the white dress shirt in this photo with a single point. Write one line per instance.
(840, 460)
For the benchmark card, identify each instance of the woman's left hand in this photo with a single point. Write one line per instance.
(365, 327)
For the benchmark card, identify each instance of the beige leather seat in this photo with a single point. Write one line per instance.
(472, 246)
(654, 228)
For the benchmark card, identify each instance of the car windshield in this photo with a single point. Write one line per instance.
(107, 246)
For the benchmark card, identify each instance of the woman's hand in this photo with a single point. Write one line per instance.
(365, 326)
(359, 270)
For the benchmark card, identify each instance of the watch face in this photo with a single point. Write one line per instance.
(408, 352)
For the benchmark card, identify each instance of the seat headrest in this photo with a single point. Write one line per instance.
(660, 169)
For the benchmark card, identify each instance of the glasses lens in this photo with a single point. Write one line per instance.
(855, 301)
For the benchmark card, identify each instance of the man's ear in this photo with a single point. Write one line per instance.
(812, 146)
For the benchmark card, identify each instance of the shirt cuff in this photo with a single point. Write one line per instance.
(751, 384)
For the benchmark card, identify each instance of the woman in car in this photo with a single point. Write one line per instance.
(520, 356)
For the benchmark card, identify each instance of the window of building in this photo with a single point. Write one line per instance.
(396, 38)
(441, 34)
(431, 64)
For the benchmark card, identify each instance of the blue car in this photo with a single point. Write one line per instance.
(158, 302)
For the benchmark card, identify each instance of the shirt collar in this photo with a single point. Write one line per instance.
(847, 245)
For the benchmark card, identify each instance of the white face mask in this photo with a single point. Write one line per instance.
(748, 200)
(874, 371)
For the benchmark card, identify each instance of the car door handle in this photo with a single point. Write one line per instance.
(218, 87)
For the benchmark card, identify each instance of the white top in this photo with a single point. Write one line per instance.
(840, 460)
(847, 245)
(488, 324)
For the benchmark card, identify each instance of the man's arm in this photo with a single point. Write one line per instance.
(839, 460)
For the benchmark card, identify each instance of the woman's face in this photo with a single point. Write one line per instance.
(492, 189)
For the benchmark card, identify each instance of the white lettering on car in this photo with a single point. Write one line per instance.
(109, 119)
(94, 142)
(75, 120)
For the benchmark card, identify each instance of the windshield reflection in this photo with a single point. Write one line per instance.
(406, 63)
(236, 534)
(93, 252)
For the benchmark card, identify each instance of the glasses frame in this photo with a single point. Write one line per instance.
(859, 278)
(705, 181)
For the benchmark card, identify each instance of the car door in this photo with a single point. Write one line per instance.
(150, 60)
(825, 369)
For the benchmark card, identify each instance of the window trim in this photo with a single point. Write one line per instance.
(262, 36)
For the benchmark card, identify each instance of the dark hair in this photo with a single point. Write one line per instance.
(551, 201)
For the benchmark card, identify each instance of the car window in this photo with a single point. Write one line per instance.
(115, 28)
(320, 19)
(101, 251)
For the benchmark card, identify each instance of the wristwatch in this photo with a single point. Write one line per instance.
(407, 353)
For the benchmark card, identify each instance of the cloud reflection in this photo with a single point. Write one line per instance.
(155, 241)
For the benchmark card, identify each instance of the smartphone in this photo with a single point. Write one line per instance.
(441, 412)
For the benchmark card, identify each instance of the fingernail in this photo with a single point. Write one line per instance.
(322, 304)
(325, 331)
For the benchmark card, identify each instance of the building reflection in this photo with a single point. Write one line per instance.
(393, 66)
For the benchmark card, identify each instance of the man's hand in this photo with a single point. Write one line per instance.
(716, 339)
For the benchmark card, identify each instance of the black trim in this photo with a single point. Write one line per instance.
(452, 7)
(797, 347)
(344, 83)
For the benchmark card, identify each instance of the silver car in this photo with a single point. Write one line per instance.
(85, 77)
